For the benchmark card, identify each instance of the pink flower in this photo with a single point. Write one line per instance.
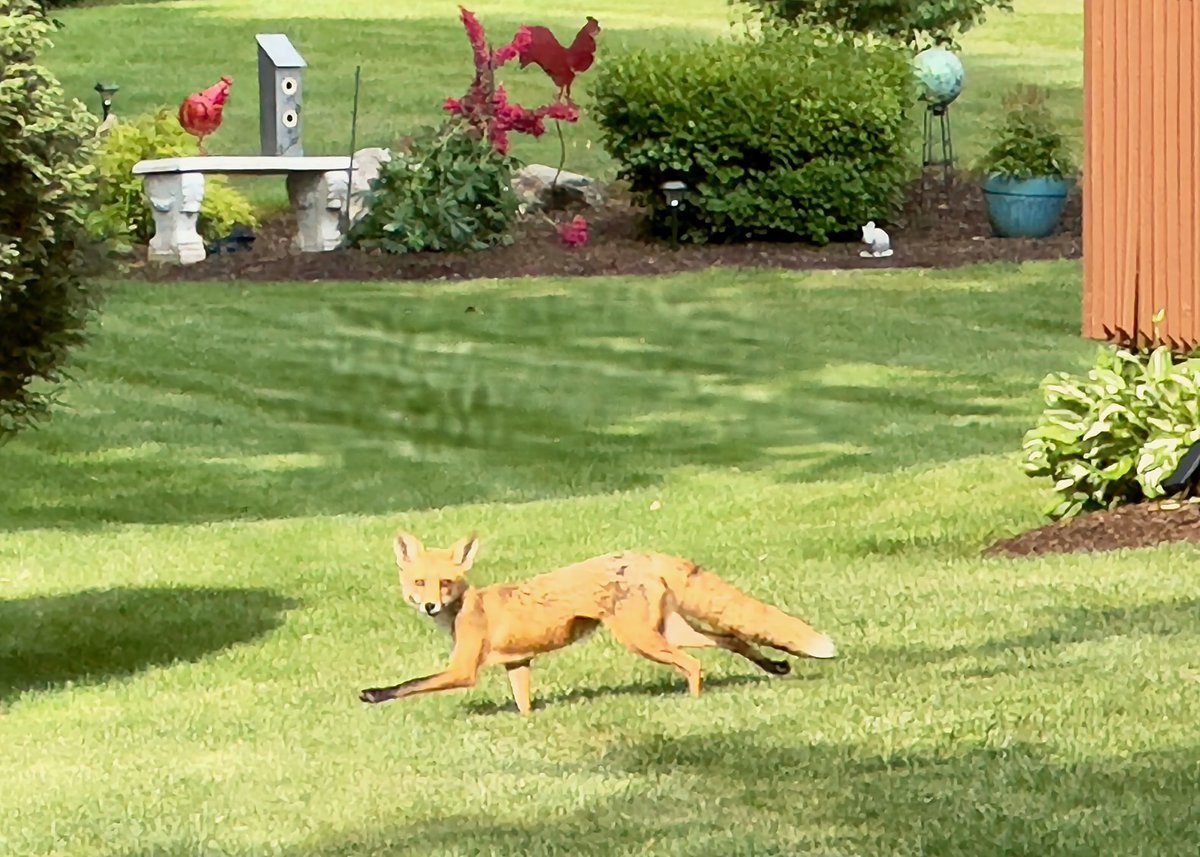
(517, 47)
(562, 111)
(575, 233)
(505, 54)
(453, 105)
(498, 135)
(475, 34)
(522, 41)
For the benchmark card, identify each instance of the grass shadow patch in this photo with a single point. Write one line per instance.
(659, 687)
(101, 634)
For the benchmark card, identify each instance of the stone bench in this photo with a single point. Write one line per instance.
(175, 188)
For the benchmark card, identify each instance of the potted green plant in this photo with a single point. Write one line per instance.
(1029, 170)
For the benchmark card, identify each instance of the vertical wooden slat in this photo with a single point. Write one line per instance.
(1109, 193)
(1191, 112)
(1145, 165)
(1093, 261)
(1155, 120)
(1115, 108)
(1112, 189)
(1172, 246)
(1126, 235)
(1189, 172)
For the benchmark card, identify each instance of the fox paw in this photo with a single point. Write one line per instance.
(376, 694)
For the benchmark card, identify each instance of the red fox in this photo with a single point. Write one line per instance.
(646, 600)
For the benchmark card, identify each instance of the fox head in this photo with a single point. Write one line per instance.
(433, 579)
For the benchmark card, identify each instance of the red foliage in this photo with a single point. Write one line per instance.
(200, 112)
(486, 105)
(574, 233)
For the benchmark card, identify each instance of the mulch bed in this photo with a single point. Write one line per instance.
(938, 228)
(1134, 526)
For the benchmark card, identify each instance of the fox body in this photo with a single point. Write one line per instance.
(649, 602)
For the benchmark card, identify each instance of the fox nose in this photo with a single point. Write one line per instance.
(430, 607)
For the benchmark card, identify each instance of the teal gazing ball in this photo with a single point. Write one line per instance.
(940, 74)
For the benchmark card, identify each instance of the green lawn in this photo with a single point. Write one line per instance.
(197, 577)
(414, 54)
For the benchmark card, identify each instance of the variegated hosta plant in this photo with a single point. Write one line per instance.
(1113, 436)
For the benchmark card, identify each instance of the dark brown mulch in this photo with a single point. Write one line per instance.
(1134, 526)
(938, 229)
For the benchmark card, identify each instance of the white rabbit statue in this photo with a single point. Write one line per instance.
(881, 245)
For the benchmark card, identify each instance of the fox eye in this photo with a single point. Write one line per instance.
(418, 583)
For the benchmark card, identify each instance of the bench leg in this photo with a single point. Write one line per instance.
(175, 200)
(317, 200)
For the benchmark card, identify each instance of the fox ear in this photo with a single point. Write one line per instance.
(464, 551)
(408, 547)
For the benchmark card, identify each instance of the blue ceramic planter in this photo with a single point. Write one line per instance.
(1025, 208)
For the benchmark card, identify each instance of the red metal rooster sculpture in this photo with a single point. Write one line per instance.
(561, 64)
(200, 112)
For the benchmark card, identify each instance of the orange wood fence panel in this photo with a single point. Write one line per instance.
(1141, 181)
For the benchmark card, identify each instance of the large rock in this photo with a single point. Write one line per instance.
(536, 187)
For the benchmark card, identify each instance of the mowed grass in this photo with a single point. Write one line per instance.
(197, 577)
(414, 54)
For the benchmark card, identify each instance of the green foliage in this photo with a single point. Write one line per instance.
(450, 190)
(123, 214)
(786, 134)
(46, 180)
(919, 23)
(1113, 436)
(1028, 144)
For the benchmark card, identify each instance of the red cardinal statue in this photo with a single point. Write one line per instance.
(200, 112)
(562, 64)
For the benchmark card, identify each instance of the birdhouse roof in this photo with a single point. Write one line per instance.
(280, 50)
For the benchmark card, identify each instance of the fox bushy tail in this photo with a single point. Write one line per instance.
(710, 599)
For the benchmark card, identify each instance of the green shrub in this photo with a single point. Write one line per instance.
(45, 183)
(123, 214)
(919, 23)
(784, 135)
(449, 190)
(1029, 143)
(1113, 436)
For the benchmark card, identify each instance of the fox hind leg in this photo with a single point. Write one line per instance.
(518, 680)
(644, 639)
(679, 632)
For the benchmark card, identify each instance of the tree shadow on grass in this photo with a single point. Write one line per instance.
(100, 634)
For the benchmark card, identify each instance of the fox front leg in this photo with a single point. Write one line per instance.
(449, 680)
(461, 673)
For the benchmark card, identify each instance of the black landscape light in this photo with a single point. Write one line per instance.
(674, 192)
(239, 240)
(1188, 469)
(107, 91)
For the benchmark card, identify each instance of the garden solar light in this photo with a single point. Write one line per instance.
(106, 90)
(674, 192)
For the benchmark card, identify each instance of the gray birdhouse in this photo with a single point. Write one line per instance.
(280, 94)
